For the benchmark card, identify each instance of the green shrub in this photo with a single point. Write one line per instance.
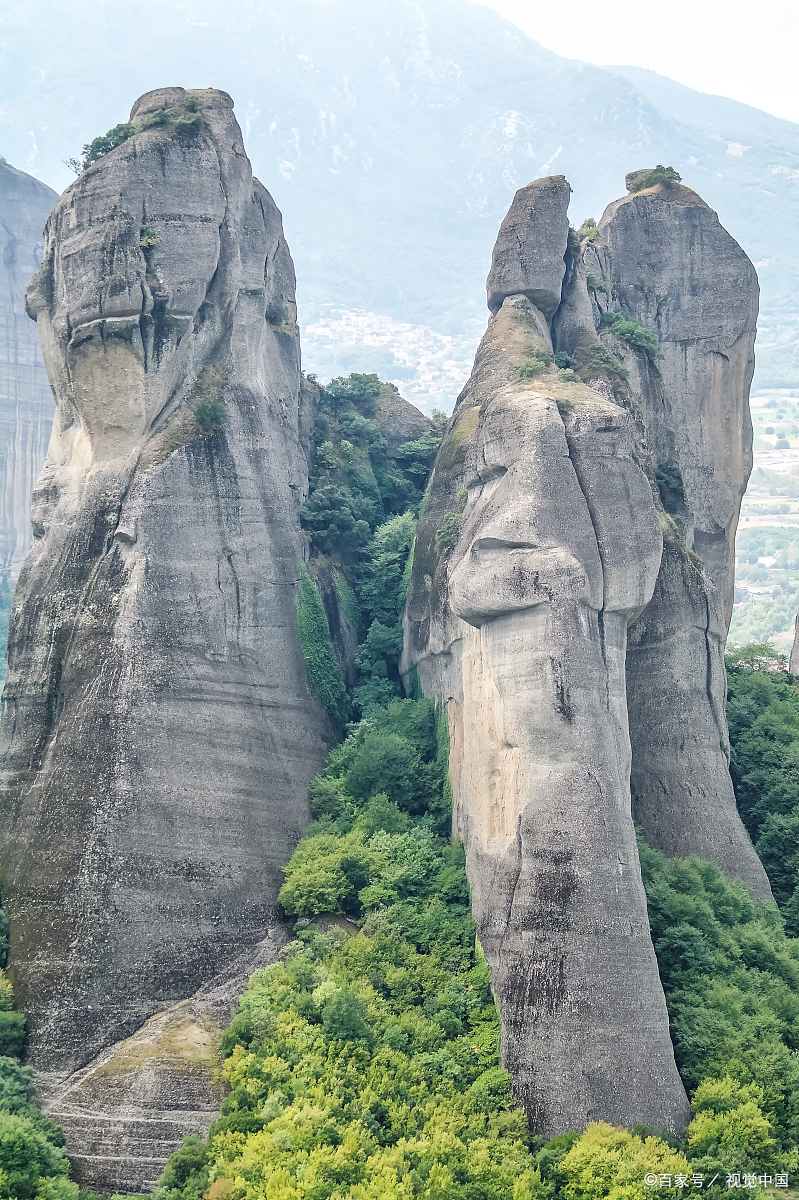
(147, 237)
(633, 333)
(277, 314)
(536, 364)
(103, 145)
(563, 360)
(185, 117)
(530, 368)
(207, 397)
(588, 229)
(447, 534)
(12, 1034)
(324, 672)
(664, 175)
(600, 361)
(668, 478)
(210, 415)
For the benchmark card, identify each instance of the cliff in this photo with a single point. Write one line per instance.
(560, 607)
(26, 402)
(158, 731)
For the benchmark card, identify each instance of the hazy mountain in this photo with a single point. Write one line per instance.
(393, 137)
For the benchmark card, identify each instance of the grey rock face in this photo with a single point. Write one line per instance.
(130, 1108)
(569, 617)
(680, 275)
(522, 632)
(528, 255)
(158, 732)
(26, 402)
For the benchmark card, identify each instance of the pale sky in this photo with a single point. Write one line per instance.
(747, 51)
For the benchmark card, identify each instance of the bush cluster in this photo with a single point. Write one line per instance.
(185, 117)
(763, 716)
(665, 175)
(536, 364)
(633, 333)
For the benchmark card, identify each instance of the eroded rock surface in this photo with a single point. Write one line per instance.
(528, 255)
(26, 402)
(158, 731)
(130, 1108)
(551, 592)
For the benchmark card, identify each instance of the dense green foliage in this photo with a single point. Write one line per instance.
(360, 516)
(665, 175)
(355, 485)
(382, 584)
(731, 978)
(668, 478)
(324, 672)
(763, 715)
(366, 1063)
(633, 333)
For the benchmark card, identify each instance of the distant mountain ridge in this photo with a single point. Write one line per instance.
(393, 138)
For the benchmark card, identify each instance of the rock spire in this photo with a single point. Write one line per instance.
(158, 732)
(567, 604)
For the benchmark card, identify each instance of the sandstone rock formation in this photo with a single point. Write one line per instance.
(130, 1108)
(158, 731)
(672, 267)
(557, 607)
(26, 402)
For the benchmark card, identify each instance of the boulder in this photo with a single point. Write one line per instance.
(528, 256)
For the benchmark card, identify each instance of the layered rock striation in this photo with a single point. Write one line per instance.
(158, 732)
(558, 607)
(26, 402)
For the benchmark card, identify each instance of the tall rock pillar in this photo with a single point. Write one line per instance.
(158, 732)
(520, 627)
(567, 604)
(662, 259)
